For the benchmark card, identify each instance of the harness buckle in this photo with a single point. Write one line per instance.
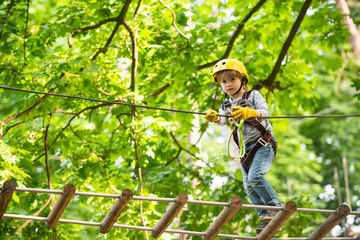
(262, 142)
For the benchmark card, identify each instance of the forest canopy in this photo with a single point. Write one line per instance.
(301, 56)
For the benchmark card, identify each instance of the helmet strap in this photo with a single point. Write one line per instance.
(225, 97)
(244, 78)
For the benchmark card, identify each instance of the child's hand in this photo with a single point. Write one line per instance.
(243, 113)
(211, 115)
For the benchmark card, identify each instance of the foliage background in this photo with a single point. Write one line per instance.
(161, 54)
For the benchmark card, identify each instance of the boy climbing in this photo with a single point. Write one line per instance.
(260, 144)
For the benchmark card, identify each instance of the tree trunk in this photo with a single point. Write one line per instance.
(354, 37)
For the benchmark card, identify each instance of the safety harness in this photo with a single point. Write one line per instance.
(265, 139)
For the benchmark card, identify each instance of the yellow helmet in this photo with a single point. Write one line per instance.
(229, 64)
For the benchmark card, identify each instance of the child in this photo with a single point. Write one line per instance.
(259, 143)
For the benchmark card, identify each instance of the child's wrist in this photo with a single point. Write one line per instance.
(258, 113)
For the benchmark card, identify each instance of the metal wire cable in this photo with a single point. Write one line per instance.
(199, 202)
(102, 101)
(167, 109)
(116, 225)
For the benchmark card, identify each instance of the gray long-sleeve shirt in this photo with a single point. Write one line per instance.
(255, 101)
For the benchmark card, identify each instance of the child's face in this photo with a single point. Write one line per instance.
(230, 84)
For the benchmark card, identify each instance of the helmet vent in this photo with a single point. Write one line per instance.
(223, 63)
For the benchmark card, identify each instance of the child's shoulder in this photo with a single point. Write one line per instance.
(252, 93)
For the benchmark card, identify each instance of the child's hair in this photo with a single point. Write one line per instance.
(232, 73)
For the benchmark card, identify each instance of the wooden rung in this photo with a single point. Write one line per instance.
(7, 191)
(169, 216)
(334, 219)
(224, 217)
(60, 205)
(280, 218)
(115, 211)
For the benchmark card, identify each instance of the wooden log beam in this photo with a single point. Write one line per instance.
(169, 216)
(334, 219)
(280, 218)
(60, 205)
(224, 217)
(6, 193)
(115, 211)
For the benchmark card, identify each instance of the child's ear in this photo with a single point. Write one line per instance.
(245, 79)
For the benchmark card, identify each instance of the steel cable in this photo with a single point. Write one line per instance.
(178, 231)
(166, 109)
(158, 199)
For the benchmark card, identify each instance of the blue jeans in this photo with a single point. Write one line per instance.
(256, 186)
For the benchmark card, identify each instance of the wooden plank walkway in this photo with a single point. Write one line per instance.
(230, 209)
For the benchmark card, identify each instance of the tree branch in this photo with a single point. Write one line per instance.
(180, 147)
(174, 24)
(135, 137)
(119, 20)
(120, 122)
(29, 109)
(339, 75)
(11, 4)
(134, 56)
(134, 63)
(105, 48)
(64, 112)
(106, 150)
(16, 124)
(137, 9)
(198, 91)
(228, 49)
(196, 173)
(121, 17)
(13, 70)
(51, 197)
(269, 82)
(87, 144)
(176, 157)
(68, 124)
(224, 174)
(26, 28)
(8, 129)
(235, 35)
(75, 115)
(47, 164)
(193, 155)
(207, 123)
(324, 111)
(74, 33)
(141, 202)
(158, 92)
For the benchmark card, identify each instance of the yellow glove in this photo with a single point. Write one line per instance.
(243, 113)
(211, 115)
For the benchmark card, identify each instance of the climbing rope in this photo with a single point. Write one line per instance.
(241, 141)
(167, 109)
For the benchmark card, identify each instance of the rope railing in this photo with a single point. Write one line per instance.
(191, 201)
(166, 109)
